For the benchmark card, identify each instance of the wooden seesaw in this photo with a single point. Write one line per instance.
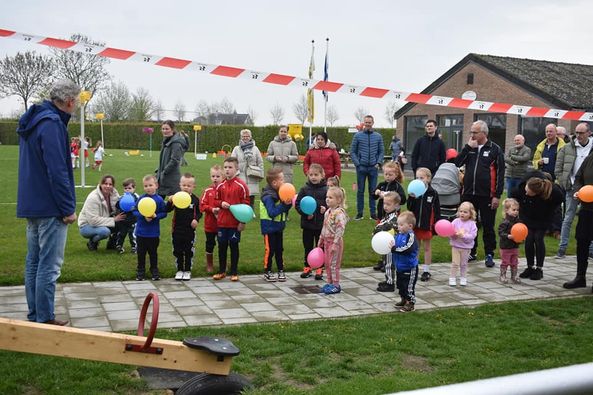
(209, 356)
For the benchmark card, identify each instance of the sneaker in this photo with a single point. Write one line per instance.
(400, 303)
(537, 274)
(407, 307)
(489, 261)
(139, 278)
(234, 277)
(92, 245)
(186, 276)
(379, 266)
(281, 276)
(374, 217)
(560, 254)
(319, 274)
(577, 282)
(156, 277)
(472, 258)
(120, 249)
(463, 281)
(306, 272)
(425, 276)
(384, 287)
(333, 289)
(179, 276)
(269, 277)
(218, 276)
(133, 250)
(527, 272)
(452, 281)
(324, 288)
(358, 217)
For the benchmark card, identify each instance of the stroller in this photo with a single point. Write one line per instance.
(448, 185)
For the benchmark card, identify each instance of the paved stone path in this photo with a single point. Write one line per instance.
(115, 306)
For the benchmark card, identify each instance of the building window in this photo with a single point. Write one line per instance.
(497, 127)
(470, 78)
(414, 130)
(451, 130)
(534, 130)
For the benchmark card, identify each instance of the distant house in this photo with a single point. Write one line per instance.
(225, 119)
(528, 82)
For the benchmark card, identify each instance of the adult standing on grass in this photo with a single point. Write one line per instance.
(283, 153)
(173, 147)
(516, 163)
(324, 155)
(429, 150)
(366, 153)
(251, 164)
(46, 195)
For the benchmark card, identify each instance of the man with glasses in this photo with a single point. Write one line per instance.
(569, 160)
(483, 183)
(429, 150)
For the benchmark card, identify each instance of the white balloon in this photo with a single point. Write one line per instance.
(381, 243)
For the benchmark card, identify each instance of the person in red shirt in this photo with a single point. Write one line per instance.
(231, 191)
(210, 212)
(326, 156)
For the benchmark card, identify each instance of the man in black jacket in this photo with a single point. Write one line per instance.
(429, 150)
(483, 183)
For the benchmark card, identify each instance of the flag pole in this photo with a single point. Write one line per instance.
(325, 76)
(310, 92)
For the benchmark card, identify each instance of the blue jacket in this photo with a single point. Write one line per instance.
(272, 211)
(367, 148)
(405, 252)
(145, 228)
(45, 180)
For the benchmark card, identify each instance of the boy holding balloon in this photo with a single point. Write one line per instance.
(391, 204)
(151, 209)
(509, 249)
(186, 214)
(128, 226)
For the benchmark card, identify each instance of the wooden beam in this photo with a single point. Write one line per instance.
(63, 341)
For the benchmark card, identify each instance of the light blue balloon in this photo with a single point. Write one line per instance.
(308, 205)
(416, 188)
(127, 202)
(242, 212)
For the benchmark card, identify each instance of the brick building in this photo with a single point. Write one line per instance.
(500, 79)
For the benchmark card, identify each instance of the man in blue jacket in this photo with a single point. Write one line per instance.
(46, 195)
(367, 155)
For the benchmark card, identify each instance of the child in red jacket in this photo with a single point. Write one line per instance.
(231, 191)
(210, 212)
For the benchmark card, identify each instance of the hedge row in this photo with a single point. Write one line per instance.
(211, 138)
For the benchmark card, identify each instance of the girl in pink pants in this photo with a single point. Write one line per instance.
(331, 239)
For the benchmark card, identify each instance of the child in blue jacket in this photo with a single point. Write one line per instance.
(405, 259)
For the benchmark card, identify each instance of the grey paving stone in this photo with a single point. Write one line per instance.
(90, 322)
(308, 316)
(14, 299)
(117, 306)
(232, 313)
(220, 296)
(252, 307)
(194, 301)
(12, 308)
(332, 312)
(296, 309)
(179, 295)
(354, 305)
(222, 304)
(172, 324)
(83, 304)
(194, 310)
(125, 325)
(202, 319)
(265, 316)
(122, 315)
(119, 297)
(139, 285)
(237, 321)
(12, 291)
(283, 301)
(83, 313)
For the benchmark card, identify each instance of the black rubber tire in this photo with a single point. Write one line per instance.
(206, 383)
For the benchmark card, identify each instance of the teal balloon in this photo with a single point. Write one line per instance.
(417, 188)
(308, 205)
(127, 202)
(242, 212)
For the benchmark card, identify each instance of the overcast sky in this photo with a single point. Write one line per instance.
(388, 44)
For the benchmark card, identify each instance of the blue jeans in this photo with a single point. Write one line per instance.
(362, 173)
(46, 240)
(570, 210)
(95, 233)
(512, 183)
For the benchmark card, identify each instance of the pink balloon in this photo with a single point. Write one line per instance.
(444, 228)
(316, 258)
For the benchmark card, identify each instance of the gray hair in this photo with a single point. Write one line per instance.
(561, 130)
(483, 126)
(246, 131)
(64, 90)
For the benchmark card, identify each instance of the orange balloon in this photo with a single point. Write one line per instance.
(586, 194)
(519, 232)
(286, 192)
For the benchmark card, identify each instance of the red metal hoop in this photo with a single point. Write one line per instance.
(152, 296)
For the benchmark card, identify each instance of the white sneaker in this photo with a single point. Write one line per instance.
(186, 276)
(452, 281)
(179, 276)
(463, 281)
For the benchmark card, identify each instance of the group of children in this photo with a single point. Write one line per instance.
(77, 144)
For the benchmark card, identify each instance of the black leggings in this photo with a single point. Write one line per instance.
(148, 245)
(222, 248)
(535, 246)
(210, 242)
(310, 240)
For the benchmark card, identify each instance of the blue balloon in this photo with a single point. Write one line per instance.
(416, 188)
(127, 202)
(242, 212)
(308, 205)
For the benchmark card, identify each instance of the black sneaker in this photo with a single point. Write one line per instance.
(92, 245)
(269, 277)
(386, 287)
(527, 272)
(407, 307)
(139, 278)
(306, 272)
(374, 217)
(358, 217)
(472, 258)
(489, 261)
(537, 274)
(400, 303)
(156, 277)
(425, 276)
(577, 282)
(133, 250)
(120, 249)
(319, 274)
(379, 266)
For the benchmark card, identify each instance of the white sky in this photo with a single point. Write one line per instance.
(386, 44)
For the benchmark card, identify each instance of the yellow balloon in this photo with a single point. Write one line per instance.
(181, 199)
(147, 206)
(391, 231)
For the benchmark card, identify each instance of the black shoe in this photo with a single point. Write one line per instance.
(358, 217)
(425, 276)
(527, 272)
(379, 266)
(374, 217)
(92, 245)
(472, 258)
(120, 249)
(139, 278)
(400, 303)
(577, 282)
(307, 272)
(489, 261)
(386, 288)
(156, 277)
(319, 274)
(537, 274)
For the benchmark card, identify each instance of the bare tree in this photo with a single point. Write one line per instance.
(180, 111)
(360, 113)
(252, 114)
(300, 109)
(114, 101)
(87, 70)
(142, 106)
(25, 75)
(277, 114)
(158, 110)
(203, 110)
(332, 115)
(390, 110)
(226, 107)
